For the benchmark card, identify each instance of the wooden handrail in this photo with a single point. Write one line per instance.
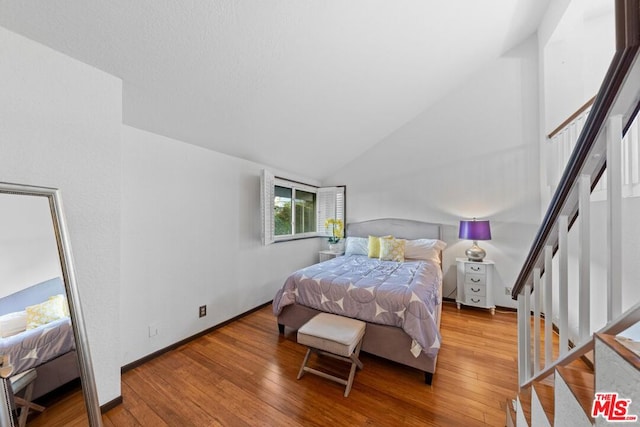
(571, 118)
(623, 60)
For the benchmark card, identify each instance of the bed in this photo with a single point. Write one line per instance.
(48, 345)
(373, 290)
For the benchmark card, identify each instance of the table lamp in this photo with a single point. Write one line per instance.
(475, 230)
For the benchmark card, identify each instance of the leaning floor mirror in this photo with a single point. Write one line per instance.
(44, 350)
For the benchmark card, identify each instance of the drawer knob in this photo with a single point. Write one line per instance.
(475, 290)
(475, 300)
(475, 280)
(474, 268)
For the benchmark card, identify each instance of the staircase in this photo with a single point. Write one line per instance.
(573, 369)
(572, 388)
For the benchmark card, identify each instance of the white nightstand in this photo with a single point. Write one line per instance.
(327, 255)
(475, 284)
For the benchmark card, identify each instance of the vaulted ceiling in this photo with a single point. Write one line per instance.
(304, 86)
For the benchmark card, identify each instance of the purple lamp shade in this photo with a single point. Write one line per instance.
(474, 230)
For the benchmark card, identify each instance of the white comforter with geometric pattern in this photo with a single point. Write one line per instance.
(402, 294)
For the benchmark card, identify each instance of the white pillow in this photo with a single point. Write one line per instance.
(356, 246)
(13, 323)
(424, 249)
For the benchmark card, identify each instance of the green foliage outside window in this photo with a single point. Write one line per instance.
(282, 217)
(304, 203)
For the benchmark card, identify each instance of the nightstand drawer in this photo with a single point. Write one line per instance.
(475, 279)
(475, 290)
(475, 282)
(475, 268)
(478, 301)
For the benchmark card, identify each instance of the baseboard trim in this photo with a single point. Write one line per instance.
(498, 307)
(111, 404)
(142, 361)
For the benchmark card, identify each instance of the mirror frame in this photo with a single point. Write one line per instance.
(85, 365)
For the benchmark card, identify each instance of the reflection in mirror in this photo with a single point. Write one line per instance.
(43, 344)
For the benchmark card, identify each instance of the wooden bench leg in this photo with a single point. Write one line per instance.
(304, 363)
(355, 362)
(26, 404)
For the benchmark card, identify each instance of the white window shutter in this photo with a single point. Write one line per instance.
(340, 203)
(330, 204)
(267, 188)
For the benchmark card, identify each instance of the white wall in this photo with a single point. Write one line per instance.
(60, 123)
(28, 247)
(190, 237)
(473, 153)
(575, 58)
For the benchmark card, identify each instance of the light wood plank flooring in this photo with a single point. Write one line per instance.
(244, 374)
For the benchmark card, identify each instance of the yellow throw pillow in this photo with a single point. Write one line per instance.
(374, 246)
(392, 249)
(45, 312)
(65, 304)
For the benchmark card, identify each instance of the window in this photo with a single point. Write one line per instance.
(291, 210)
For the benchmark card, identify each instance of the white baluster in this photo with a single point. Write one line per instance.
(614, 220)
(523, 327)
(563, 291)
(527, 309)
(524, 334)
(625, 162)
(548, 305)
(632, 134)
(584, 257)
(537, 301)
(551, 162)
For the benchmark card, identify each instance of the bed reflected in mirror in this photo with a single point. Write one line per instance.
(43, 345)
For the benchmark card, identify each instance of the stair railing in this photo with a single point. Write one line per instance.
(597, 153)
(561, 142)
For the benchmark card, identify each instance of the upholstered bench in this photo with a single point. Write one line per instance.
(335, 336)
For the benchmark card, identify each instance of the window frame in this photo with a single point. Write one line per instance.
(329, 203)
(295, 187)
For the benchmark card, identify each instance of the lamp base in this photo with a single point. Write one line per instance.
(475, 253)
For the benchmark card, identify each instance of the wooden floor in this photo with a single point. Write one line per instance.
(245, 374)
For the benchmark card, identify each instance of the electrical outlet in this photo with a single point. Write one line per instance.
(202, 311)
(507, 290)
(153, 330)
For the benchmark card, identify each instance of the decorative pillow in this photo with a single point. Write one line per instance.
(13, 323)
(356, 246)
(424, 249)
(374, 246)
(45, 312)
(392, 249)
(65, 304)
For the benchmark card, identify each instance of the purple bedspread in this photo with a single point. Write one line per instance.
(405, 294)
(34, 347)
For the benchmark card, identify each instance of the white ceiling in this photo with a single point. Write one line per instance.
(278, 81)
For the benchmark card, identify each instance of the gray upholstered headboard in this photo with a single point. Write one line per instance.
(399, 228)
(32, 295)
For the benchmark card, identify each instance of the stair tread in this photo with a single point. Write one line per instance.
(581, 365)
(581, 382)
(621, 349)
(545, 393)
(525, 401)
(511, 414)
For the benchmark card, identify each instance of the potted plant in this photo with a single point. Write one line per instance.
(337, 232)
